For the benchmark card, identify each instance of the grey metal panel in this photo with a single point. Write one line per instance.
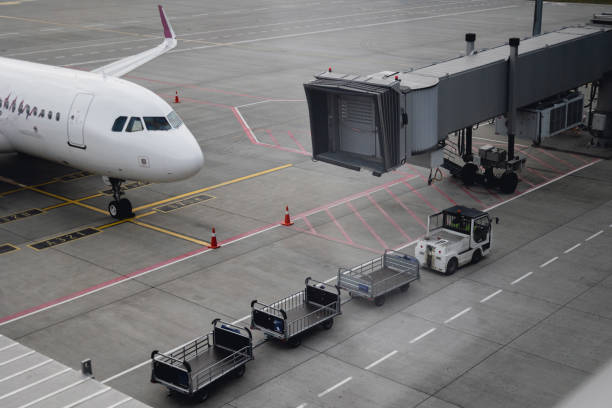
(423, 120)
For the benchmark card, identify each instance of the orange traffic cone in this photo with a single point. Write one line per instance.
(213, 240)
(287, 221)
(176, 98)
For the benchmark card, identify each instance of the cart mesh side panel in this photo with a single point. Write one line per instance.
(230, 339)
(354, 124)
(171, 374)
(269, 322)
(321, 296)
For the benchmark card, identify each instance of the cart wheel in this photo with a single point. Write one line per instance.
(405, 287)
(294, 341)
(380, 300)
(240, 371)
(328, 324)
(202, 395)
(468, 174)
(508, 183)
(476, 256)
(452, 266)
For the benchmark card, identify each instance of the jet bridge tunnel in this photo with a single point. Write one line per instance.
(382, 120)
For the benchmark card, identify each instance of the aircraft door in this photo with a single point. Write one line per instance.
(76, 120)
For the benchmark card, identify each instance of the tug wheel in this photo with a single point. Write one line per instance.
(508, 183)
(452, 266)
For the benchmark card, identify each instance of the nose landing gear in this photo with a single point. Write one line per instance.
(119, 208)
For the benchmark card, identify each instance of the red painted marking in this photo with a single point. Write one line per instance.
(296, 142)
(274, 140)
(579, 158)
(537, 173)
(196, 101)
(542, 162)
(397, 199)
(549, 154)
(309, 225)
(346, 236)
(365, 224)
(210, 90)
(432, 185)
(327, 237)
(386, 215)
(421, 196)
(526, 181)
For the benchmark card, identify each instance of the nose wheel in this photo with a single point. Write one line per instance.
(119, 208)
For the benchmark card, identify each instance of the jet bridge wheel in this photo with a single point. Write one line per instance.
(508, 182)
(468, 174)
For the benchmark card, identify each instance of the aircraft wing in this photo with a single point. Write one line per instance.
(125, 65)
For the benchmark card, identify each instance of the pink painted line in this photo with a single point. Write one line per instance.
(408, 210)
(210, 90)
(346, 236)
(526, 181)
(327, 237)
(549, 154)
(274, 140)
(353, 197)
(365, 224)
(309, 225)
(292, 136)
(542, 162)
(96, 288)
(200, 102)
(537, 173)
(579, 158)
(432, 185)
(420, 196)
(386, 215)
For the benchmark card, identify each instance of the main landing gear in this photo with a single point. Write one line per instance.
(119, 208)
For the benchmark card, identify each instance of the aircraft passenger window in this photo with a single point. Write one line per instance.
(42, 113)
(34, 111)
(119, 122)
(135, 125)
(57, 116)
(156, 123)
(174, 120)
(50, 114)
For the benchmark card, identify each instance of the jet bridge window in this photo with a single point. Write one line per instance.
(156, 123)
(119, 123)
(175, 120)
(135, 125)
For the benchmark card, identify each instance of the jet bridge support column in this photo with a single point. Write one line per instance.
(512, 93)
(470, 39)
(604, 108)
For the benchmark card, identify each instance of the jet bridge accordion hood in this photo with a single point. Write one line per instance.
(379, 121)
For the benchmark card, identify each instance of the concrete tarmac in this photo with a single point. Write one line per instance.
(522, 328)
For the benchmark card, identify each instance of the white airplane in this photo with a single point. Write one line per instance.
(96, 122)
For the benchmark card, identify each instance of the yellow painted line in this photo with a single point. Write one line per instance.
(15, 248)
(171, 233)
(53, 207)
(9, 3)
(112, 224)
(225, 183)
(25, 188)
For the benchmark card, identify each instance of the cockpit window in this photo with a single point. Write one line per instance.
(135, 125)
(119, 122)
(174, 120)
(156, 123)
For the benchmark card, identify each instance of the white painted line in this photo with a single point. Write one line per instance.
(491, 296)
(129, 370)
(241, 319)
(567, 251)
(123, 401)
(8, 347)
(428, 332)
(380, 360)
(17, 358)
(461, 313)
(330, 389)
(594, 235)
(87, 398)
(302, 405)
(51, 394)
(42, 380)
(246, 125)
(34, 367)
(269, 100)
(551, 260)
(531, 190)
(514, 282)
(52, 29)
(8, 34)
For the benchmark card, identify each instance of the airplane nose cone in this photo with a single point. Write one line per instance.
(192, 161)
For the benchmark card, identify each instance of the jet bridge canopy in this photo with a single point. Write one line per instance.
(381, 120)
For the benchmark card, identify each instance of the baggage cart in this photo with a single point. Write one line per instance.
(289, 318)
(192, 368)
(374, 279)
